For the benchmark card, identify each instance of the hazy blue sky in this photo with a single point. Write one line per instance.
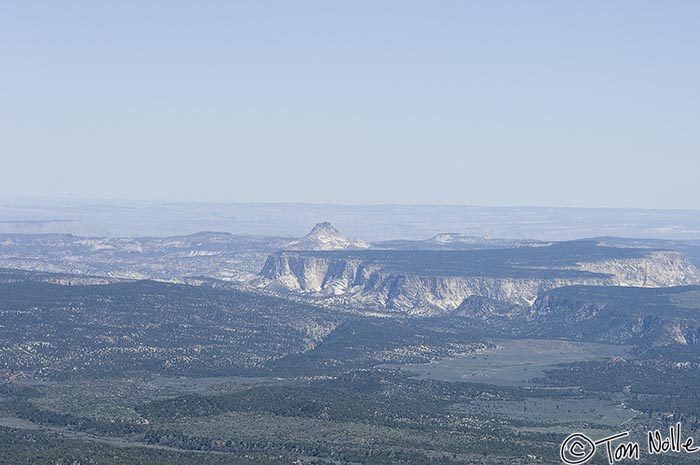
(562, 103)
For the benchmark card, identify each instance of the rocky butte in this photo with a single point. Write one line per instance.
(324, 265)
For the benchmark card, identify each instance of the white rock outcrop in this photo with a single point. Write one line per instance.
(350, 281)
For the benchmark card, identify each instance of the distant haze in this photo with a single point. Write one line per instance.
(497, 103)
(367, 222)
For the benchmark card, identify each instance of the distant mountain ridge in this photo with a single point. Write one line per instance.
(456, 241)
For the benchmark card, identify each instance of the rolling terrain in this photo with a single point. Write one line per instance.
(391, 353)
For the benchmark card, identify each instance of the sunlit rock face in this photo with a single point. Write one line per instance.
(372, 285)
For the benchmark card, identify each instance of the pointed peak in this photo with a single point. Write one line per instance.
(324, 226)
(324, 236)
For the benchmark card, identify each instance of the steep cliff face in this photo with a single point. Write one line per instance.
(353, 281)
(657, 269)
(299, 272)
(646, 316)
